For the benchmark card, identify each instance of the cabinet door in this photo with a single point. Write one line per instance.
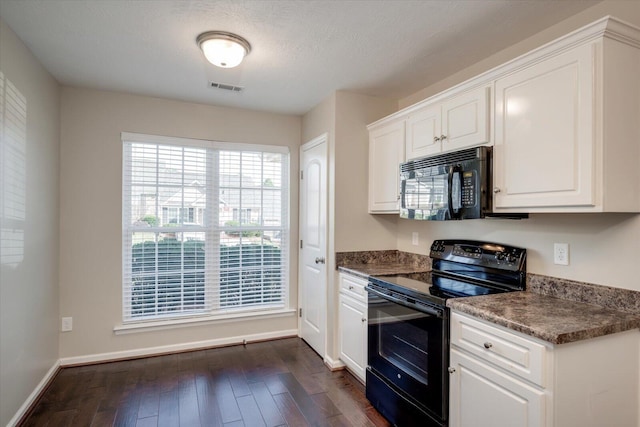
(481, 396)
(544, 134)
(423, 132)
(465, 120)
(386, 152)
(353, 335)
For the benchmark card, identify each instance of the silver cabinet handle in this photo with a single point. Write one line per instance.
(488, 345)
(436, 138)
(320, 260)
(364, 319)
(451, 369)
(496, 190)
(443, 137)
(350, 287)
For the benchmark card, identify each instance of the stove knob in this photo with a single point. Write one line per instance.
(512, 258)
(500, 256)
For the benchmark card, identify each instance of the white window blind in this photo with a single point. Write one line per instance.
(205, 227)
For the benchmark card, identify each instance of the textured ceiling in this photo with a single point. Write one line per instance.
(301, 50)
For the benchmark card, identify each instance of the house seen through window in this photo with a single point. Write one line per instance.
(205, 227)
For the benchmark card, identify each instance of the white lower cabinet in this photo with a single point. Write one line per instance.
(353, 324)
(502, 378)
(484, 396)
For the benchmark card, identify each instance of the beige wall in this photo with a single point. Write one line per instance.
(627, 10)
(343, 116)
(320, 119)
(91, 205)
(29, 287)
(356, 230)
(604, 248)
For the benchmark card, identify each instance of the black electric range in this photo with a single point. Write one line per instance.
(408, 325)
(462, 268)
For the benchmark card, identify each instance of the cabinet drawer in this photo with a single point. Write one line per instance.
(353, 286)
(494, 344)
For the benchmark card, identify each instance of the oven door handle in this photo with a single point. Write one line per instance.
(416, 306)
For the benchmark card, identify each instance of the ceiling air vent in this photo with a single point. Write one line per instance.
(225, 86)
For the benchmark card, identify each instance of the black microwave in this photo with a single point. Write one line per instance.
(448, 186)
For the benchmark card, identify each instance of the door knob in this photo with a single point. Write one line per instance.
(320, 260)
(451, 369)
(496, 190)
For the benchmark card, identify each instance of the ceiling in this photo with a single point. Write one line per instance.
(301, 50)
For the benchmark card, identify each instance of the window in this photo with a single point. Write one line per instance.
(205, 227)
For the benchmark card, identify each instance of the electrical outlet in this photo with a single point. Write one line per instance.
(67, 324)
(561, 253)
(415, 238)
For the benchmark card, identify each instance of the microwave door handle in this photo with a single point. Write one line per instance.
(450, 191)
(452, 171)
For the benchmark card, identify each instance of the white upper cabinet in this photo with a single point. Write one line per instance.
(423, 132)
(386, 152)
(567, 126)
(465, 120)
(567, 135)
(458, 122)
(544, 141)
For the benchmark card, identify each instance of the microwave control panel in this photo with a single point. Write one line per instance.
(469, 185)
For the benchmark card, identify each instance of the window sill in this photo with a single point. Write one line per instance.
(159, 325)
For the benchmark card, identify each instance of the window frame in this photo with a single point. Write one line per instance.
(211, 227)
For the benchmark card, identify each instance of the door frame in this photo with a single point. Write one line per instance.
(322, 138)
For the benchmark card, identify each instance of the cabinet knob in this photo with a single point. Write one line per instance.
(451, 369)
(496, 190)
(364, 319)
(436, 138)
(350, 287)
(443, 137)
(320, 260)
(488, 345)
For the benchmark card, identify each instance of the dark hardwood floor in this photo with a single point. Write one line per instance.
(275, 383)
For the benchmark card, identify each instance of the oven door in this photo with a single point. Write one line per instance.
(408, 350)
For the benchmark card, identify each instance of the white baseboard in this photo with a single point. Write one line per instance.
(34, 395)
(334, 365)
(173, 348)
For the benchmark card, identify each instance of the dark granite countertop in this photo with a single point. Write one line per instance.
(381, 269)
(551, 319)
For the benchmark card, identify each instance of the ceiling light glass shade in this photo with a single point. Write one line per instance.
(223, 49)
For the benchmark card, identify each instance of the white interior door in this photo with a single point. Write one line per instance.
(313, 250)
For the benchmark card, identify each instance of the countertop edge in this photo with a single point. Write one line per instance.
(465, 305)
(547, 336)
(353, 272)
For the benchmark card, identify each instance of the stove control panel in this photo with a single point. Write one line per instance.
(484, 254)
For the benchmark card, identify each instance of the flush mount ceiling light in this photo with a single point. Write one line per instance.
(223, 49)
